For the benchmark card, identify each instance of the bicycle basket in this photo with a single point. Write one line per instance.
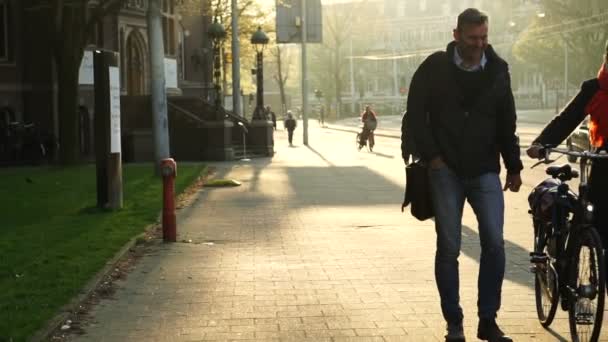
(542, 197)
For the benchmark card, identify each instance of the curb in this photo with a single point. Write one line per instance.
(64, 313)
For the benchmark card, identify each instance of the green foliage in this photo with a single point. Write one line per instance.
(53, 239)
(250, 15)
(329, 60)
(577, 24)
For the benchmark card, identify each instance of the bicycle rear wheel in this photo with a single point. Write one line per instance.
(546, 289)
(587, 276)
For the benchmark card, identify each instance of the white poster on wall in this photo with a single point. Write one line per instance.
(86, 74)
(170, 73)
(114, 110)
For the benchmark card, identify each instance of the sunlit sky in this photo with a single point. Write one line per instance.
(269, 3)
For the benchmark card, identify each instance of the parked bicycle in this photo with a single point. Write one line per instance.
(568, 257)
(22, 143)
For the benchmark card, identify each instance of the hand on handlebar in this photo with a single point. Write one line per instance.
(535, 151)
(540, 152)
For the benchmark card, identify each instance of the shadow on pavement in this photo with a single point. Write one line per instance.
(320, 156)
(339, 186)
(517, 257)
(384, 155)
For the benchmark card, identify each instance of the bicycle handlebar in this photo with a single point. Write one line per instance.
(546, 150)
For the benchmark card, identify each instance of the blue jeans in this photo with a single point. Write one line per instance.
(484, 194)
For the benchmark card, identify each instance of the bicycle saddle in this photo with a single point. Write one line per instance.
(563, 172)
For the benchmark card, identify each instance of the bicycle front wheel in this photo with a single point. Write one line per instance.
(546, 289)
(587, 276)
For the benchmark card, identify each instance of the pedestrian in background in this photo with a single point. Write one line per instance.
(290, 125)
(272, 116)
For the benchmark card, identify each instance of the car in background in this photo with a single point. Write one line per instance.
(579, 140)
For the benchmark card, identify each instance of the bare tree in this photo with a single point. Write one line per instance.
(337, 21)
(282, 74)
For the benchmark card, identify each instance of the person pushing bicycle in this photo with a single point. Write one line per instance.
(370, 122)
(592, 100)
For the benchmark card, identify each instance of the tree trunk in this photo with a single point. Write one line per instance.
(337, 81)
(67, 77)
(281, 81)
(68, 55)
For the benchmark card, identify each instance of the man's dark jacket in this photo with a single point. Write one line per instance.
(469, 138)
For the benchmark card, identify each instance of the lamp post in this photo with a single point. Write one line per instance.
(217, 33)
(542, 15)
(259, 39)
(319, 94)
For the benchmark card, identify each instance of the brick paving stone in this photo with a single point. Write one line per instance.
(313, 247)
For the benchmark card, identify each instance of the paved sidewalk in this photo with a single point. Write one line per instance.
(312, 247)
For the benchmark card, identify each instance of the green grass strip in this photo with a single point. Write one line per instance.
(53, 239)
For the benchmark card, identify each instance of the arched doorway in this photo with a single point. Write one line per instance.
(135, 63)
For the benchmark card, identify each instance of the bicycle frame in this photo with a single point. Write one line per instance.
(563, 227)
(559, 242)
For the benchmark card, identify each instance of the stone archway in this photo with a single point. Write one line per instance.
(135, 62)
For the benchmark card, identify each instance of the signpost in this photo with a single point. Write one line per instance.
(107, 130)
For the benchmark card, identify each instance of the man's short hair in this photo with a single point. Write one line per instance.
(471, 16)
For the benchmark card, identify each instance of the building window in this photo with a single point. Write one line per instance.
(422, 5)
(169, 32)
(136, 4)
(4, 30)
(401, 9)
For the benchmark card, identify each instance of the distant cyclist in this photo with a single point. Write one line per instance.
(370, 122)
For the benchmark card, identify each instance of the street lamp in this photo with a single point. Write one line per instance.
(318, 94)
(259, 39)
(217, 33)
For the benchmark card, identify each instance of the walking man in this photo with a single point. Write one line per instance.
(290, 125)
(460, 118)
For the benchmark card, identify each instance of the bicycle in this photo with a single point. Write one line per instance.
(568, 257)
(369, 142)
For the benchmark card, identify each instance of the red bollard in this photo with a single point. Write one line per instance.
(168, 169)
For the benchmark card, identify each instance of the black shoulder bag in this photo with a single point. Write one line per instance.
(417, 191)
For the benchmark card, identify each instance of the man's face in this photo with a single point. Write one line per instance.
(472, 40)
